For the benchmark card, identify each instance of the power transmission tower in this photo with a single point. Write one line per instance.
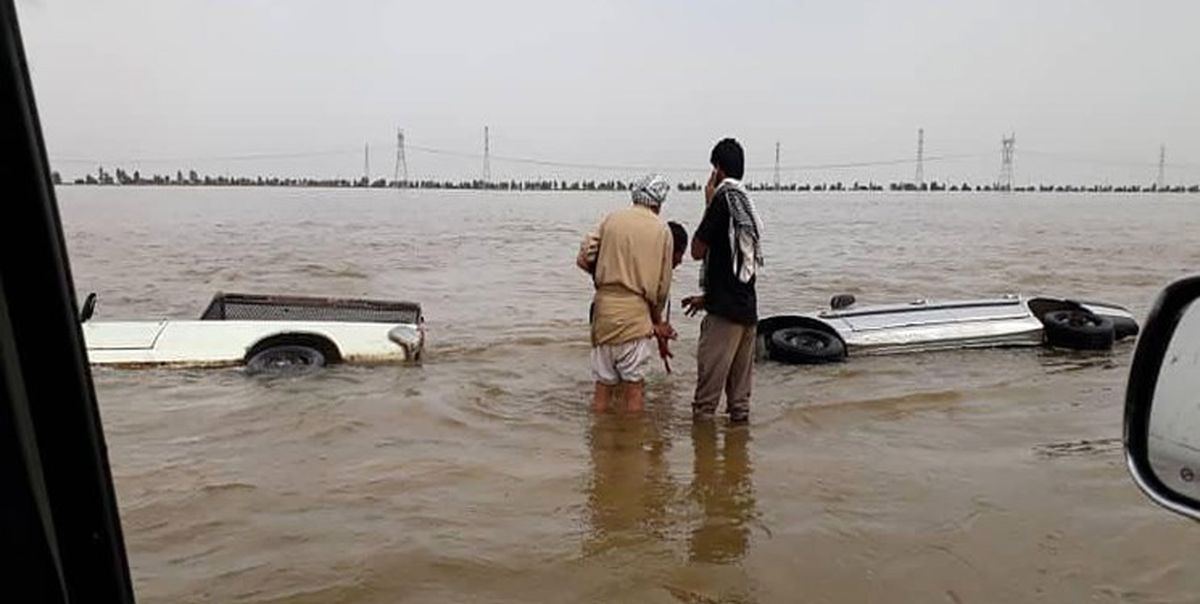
(401, 162)
(920, 178)
(367, 164)
(1162, 165)
(487, 157)
(1007, 145)
(777, 165)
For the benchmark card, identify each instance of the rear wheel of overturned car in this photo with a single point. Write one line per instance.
(1079, 330)
(285, 360)
(805, 346)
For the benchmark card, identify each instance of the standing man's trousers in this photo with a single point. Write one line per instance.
(725, 363)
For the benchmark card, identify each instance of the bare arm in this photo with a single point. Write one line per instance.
(699, 248)
(663, 332)
(662, 294)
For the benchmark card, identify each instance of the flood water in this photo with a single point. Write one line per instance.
(481, 476)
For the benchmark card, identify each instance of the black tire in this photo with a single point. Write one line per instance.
(286, 360)
(1124, 327)
(805, 346)
(1079, 330)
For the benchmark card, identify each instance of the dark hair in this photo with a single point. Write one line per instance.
(679, 236)
(728, 156)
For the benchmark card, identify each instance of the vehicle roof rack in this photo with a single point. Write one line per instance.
(253, 307)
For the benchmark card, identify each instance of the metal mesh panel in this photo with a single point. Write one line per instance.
(243, 307)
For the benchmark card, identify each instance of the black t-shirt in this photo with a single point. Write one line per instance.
(724, 294)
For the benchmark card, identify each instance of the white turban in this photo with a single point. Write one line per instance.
(650, 190)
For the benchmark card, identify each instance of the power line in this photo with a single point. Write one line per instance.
(404, 147)
(402, 167)
(643, 167)
(1103, 162)
(551, 163)
(199, 158)
(869, 164)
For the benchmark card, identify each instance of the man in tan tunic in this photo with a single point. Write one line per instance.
(632, 251)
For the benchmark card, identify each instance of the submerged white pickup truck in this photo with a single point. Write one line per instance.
(263, 333)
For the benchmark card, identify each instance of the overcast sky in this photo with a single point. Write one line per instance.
(1090, 87)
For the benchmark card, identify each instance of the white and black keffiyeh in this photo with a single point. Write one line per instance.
(745, 232)
(650, 190)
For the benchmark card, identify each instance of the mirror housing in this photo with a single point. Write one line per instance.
(89, 308)
(1162, 401)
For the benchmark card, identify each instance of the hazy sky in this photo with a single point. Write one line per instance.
(1091, 87)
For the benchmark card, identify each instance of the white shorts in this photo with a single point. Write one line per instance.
(624, 362)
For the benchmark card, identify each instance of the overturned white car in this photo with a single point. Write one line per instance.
(847, 329)
(263, 333)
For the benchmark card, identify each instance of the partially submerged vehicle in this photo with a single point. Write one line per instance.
(263, 333)
(846, 329)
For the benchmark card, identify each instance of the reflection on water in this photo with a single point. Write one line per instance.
(723, 486)
(631, 485)
(633, 496)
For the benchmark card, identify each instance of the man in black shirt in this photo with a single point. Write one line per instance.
(727, 240)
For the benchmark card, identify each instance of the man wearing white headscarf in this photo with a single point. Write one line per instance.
(630, 253)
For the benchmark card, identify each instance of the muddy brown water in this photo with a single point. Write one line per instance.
(480, 476)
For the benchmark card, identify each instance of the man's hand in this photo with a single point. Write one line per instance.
(693, 305)
(582, 263)
(664, 331)
(664, 352)
(663, 334)
(588, 250)
(710, 188)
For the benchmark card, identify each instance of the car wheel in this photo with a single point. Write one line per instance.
(286, 360)
(1079, 330)
(805, 346)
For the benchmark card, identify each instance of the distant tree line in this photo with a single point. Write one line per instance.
(121, 177)
(192, 178)
(967, 187)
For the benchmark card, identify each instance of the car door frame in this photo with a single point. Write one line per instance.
(62, 538)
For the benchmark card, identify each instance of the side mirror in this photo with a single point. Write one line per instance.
(1162, 402)
(89, 308)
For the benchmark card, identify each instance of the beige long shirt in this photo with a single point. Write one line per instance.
(633, 274)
